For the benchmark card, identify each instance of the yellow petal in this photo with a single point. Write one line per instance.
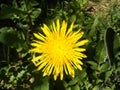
(70, 69)
(80, 49)
(42, 65)
(79, 67)
(47, 70)
(70, 29)
(36, 60)
(35, 50)
(54, 28)
(63, 28)
(76, 36)
(35, 45)
(65, 68)
(55, 76)
(78, 61)
(56, 72)
(81, 43)
(39, 37)
(58, 25)
(61, 72)
(46, 30)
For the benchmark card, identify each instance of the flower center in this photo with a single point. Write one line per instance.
(59, 48)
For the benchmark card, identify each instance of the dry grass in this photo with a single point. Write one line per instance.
(102, 6)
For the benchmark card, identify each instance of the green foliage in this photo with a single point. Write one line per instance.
(19, 19)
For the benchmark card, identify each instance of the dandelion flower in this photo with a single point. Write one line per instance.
(58, 50)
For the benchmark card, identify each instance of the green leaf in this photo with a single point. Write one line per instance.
(12, 77)
(65, 84)
(105, 66)
(73, 18)
(108, 74)
(99, 81)
(109, 41)
(95, 24)
(8, 36)
(81, 74)
(20, 74)
(82, 3)
(69, 88)
(73, 81)
(107, 88)
(41, 84)
(87, 85)
(96, 88)
(93, 64)
(8, 12)
(35, 13)
(45, 85)
(31, 4)
(100, 52)
(76, 87)
(117, 46)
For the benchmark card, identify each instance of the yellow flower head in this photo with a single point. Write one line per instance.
(59, 50)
